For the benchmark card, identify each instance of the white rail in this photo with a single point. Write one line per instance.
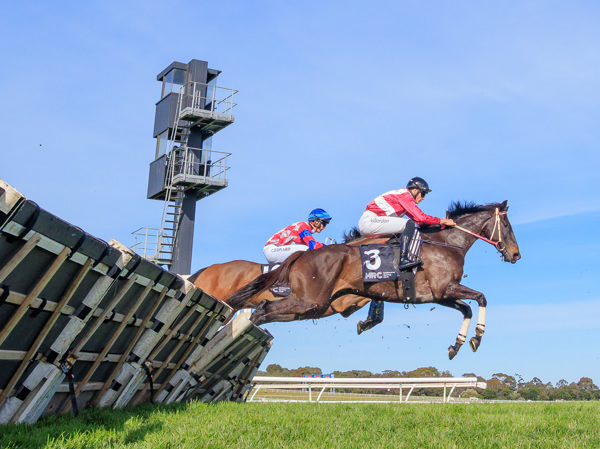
(312, 384)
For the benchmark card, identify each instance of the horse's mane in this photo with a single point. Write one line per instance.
(458, 209)
(352, 235)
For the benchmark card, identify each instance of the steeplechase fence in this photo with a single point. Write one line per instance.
(329, 389)
(88, 323)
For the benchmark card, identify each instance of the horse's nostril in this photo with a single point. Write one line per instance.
(516, 256)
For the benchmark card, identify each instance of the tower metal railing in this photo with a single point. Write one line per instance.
(210, 99)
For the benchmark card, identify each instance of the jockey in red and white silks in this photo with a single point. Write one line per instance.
(396, 212)
(296, 237)
(389, 213)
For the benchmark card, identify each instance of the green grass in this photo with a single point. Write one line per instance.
(309, 425)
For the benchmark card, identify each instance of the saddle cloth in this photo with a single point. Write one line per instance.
(279, 289)
(379, 262)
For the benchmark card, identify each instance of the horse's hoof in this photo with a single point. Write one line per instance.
(475, 342)
(452, 352)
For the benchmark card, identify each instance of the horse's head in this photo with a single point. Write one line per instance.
(500, 231)
(491, 222)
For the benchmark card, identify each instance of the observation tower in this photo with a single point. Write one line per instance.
(191, 109)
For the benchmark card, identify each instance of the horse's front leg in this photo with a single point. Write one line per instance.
(465, 309)
(457, 291)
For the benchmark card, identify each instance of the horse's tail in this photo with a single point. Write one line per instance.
(238, 299)
(194, 276)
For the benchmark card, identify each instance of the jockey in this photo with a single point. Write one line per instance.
(396, 212)
(296, 237)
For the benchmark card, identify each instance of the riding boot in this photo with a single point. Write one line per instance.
(405, 263)
(374, 317)
(362, 326)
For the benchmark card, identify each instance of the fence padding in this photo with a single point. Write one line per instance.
(88, 323)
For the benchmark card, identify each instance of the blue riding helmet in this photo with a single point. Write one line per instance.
(320, 215)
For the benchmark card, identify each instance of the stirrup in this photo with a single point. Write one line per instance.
(409, 265)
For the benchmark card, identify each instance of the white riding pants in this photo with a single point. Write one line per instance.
(372, 224)
(277, 254)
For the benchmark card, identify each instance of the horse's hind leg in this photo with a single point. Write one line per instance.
(262, 314)
(286, 309)
(465, 309)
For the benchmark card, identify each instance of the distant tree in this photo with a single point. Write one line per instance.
(562, 383)
(429, 371)
(537, 382)
(276, 370)
(305, 370)
(564, 392)
(586, 384)
(514, 396)
(469, 393)
(530, 393)
(495, 384)
(506, 393)
(507, 380)
(353, 373)
(520, 380)
(489, 394)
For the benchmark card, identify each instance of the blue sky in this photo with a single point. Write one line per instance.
(339, 101)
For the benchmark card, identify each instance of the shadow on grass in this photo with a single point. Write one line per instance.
(90, 422)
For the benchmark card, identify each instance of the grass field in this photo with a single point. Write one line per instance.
(309, 425)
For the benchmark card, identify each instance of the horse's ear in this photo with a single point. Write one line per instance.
(504, 205)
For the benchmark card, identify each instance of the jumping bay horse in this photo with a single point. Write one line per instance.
(320, 277)
(223, 279)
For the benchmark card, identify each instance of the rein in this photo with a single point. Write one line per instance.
(431, 242)
(496, 225)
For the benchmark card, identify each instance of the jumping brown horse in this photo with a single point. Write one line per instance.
(223, 279)
(320, 277)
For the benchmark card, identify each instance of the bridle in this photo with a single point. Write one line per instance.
(500, 245)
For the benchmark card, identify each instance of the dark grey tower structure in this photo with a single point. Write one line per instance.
(191, 109)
